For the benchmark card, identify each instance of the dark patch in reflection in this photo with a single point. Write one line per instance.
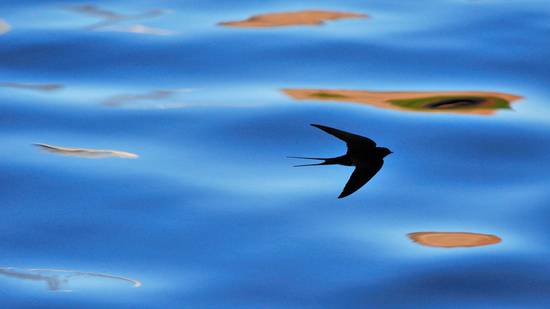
(362, 153)
(111, 20)
(325, 95)
(57, 278)
(454, 103)
(35, 87)
(457, 103)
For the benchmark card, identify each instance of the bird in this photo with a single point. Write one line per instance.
(362, 153)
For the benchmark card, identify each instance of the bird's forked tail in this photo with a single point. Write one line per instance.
(308, 158)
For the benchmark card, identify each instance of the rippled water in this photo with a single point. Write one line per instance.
(203, 208)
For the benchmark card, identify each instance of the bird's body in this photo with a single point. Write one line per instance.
(362, 153)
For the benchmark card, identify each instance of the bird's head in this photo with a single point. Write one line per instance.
(384, 151)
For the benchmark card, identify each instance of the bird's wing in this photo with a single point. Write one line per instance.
(352, 140)
(360, 176)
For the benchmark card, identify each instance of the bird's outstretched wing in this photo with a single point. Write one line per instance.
(360, 176)
(352, 140)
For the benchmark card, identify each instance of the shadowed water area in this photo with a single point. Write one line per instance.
(146, 142)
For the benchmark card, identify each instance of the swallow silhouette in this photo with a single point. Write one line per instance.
(362, 153)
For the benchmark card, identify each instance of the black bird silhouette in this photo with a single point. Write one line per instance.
(362, 153)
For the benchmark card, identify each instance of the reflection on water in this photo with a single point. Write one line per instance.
(453, 239)
(87, 153)
(112, 20)
(306, 17)
(4, 27)
(137, 28)
(36, 87)
(56, 279)
(151, 98)
(461, 102)
(213, 216)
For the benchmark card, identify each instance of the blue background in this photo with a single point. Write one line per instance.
(212, 214)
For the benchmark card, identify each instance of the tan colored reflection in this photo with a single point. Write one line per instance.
(461, 102)
(87, 153)
(155, 96)
(36, 87)
(4, 27)
(111, 20)
(306, 17)
(453, 239)
(57, 278)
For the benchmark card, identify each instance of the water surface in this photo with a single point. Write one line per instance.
(212, 214)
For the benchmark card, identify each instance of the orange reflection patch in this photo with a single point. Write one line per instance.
(459, 102)
(306, 17)
(453, 239)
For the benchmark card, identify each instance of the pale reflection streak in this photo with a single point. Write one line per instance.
(137, 28)
(87, 153)
(53, 282)
(153, 96)
(111, 20)
(33, 86)
(163, 99)
(56, 278)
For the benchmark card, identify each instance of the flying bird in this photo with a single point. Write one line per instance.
(362, 153)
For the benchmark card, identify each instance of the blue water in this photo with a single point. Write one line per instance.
(213, 215)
